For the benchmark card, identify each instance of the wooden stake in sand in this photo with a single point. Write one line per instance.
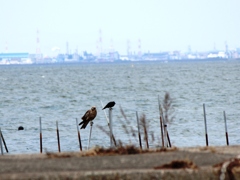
(113, 138)
(110, 126)
(58, 138)
(40, 124)
(169, 142)
(144, 125)
(79, 137)
(4, 142)
(139, 134)
(161, 121)
(226, 131)
(90, 134)
(161, 125)
(107, 119)
(166, 135)
(1, 142)
(205, 122)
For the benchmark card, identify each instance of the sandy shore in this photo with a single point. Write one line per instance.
(175, 163)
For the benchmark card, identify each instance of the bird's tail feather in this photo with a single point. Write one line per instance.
(85, 123)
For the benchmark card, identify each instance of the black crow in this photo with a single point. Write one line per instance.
(109, 105)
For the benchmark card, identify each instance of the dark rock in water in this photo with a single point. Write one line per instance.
(20, 128)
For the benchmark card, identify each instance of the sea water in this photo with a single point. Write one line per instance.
(64, 92)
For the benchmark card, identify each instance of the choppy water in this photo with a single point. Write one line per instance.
(64, 92)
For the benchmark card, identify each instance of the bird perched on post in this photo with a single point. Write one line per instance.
(88, 116)
(109, 105)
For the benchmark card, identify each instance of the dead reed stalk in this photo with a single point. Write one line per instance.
(168, 115)
(128, 129)
(143, 123)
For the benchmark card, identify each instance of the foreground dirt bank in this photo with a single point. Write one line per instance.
(175, 163)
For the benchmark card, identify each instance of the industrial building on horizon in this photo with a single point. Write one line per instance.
(26, 58)
(110, 54)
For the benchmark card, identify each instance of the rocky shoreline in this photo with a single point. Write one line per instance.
(222, 162)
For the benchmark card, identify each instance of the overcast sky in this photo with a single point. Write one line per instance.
(161, 25)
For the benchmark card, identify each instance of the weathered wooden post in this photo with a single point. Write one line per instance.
(90, 134)
(40, 123)
(1, 142)
(161, 125)
(205, 122)
(161, 121)
(110, 126)
(79, 137)
(58, 138)
(4, 143)
(226, 131)
(139, 134)
(169, 142)
(107, 119)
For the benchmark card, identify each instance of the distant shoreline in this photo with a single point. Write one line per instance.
(128, 61)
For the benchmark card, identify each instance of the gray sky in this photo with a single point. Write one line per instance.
(161, 25)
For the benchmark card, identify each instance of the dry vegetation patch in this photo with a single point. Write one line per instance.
(101, 151)
(178, 164)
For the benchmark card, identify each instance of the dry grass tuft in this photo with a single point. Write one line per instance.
(168, 108)
(100, 151)
(178, 164)
(125, 150)
(129, 149)
(208, 148)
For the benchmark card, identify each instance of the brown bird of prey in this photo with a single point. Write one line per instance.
(88, 116)
(109, 105)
